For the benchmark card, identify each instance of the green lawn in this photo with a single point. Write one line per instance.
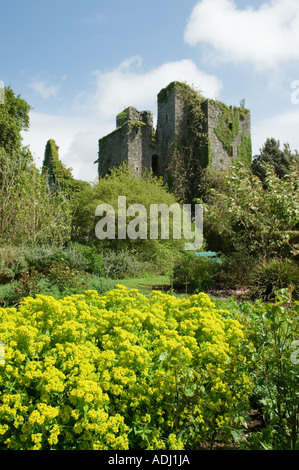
(145, 284)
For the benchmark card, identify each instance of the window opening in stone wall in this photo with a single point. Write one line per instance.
(155, 164)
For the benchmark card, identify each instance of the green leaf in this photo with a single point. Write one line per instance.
(237, 435)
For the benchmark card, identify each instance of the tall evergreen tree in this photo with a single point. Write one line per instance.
(281, 159)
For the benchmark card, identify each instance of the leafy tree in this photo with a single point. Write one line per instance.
(14, 157)
(28, 212)
(272, 153)
(143, 190)
(14, 118)
(252, 216)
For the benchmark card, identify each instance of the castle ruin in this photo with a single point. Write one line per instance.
(135, 141)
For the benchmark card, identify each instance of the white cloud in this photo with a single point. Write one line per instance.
(94, 112)
(283, 127)
(75, 136)
(128, 85)
(265, 37)
(45, 91)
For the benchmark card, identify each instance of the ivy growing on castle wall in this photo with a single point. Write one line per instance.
(59, 177)
(123, 115)
(190, 154)
(228, 127)
(57, 172)
(137, 124)
(245, 150)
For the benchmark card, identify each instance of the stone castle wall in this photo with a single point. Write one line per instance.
(113, 150)
(171, 123)
(136, 142)
(129, 143)
(222, 157)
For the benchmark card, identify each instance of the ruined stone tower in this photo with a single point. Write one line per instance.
(130, 142)
(136, 142)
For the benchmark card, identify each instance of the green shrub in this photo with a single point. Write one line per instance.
(273, 329)
(30, 285)
(44, 286)
(194, 274)
(269, 276)
(99, 284)
(84, 258)
(159, 257)
(40, 258)
(65, 277)
(8, 297)
(76, 256)
(121, 264)
(27, 285)
(12, 263)
(254, 216)
(120, 371)
(234, 271)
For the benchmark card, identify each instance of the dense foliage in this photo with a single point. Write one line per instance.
(120, 371)
(281, 159)
(29, 213)
(53, 270)
(274, 330)
(59, 177)
(92, 366)
(255, 216)
(145, 190)
(14, 118)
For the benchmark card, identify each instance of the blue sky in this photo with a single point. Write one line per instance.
(79, 63)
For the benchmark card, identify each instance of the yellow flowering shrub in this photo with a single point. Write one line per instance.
(119, 371)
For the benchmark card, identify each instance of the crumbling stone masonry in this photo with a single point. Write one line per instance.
(136, 141)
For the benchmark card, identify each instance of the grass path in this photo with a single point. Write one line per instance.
(145, 284)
